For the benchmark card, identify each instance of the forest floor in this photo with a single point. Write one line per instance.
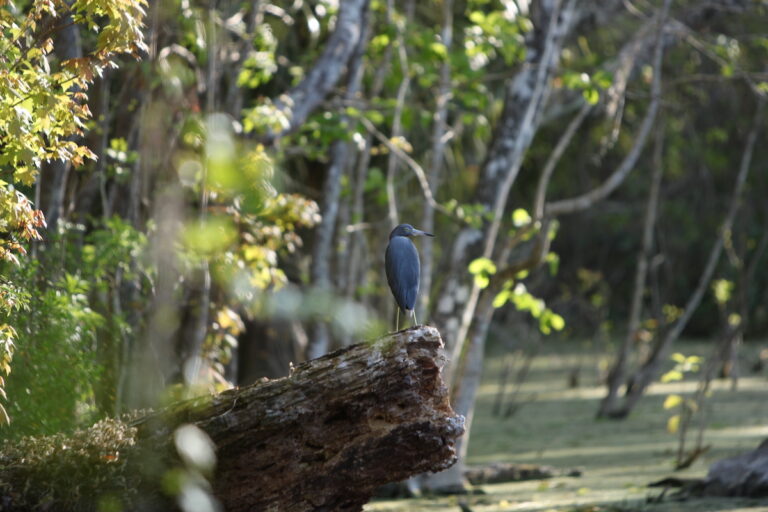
(556, 426)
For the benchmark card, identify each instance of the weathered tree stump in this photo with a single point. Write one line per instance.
(323, 438)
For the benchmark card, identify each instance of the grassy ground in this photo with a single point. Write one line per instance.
(556, 426)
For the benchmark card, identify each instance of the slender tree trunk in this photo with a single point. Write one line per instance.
(650, 368)
(321, 251)
(617, 374)
(436, 161)
(525, 99)
(458, 299)
(463, 397)
(299, 102)
(402, 90)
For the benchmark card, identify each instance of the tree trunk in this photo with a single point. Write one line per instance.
(617, 374)
(458, 303)
(463, 397)
(525, 99)
(68, 46)
(339, 152)
(323, 438)
(436, 160)
(299, 102)
(650, 368)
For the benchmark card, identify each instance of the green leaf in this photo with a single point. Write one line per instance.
(212, 235)
(673, 424)
(380, 42)
(557, 322)
(501, 298)
(482, 266)
(520, 217)
(592, 95)
(482, 269)
(672, 401)
(678, 357)
(553, 260)
(439, 50)
(671, 376)
(477, 17)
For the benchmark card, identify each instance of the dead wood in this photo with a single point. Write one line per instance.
(744, 475)
(323, 438)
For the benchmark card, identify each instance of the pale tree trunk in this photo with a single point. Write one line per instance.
(506, 155)
(299, 102)
(617, 374)
(324, 235)
(152, 362)
(234, 95)
(457, 304)
(357, 249)
(436, 161)
(525, 98)
(396, 133)
(468, 375)
(463, 397)
(641, 379)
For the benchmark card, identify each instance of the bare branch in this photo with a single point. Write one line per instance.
(650, 368)
(402, 91)
(410, 162)
(587, 199)
(554, 159)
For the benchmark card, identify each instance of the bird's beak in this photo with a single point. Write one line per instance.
(418, 232)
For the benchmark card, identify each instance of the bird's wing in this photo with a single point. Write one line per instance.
(401, 262)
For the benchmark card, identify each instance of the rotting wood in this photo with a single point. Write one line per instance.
(323, 438)
(742, 475)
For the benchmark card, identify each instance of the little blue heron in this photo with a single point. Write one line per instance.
(402, 264)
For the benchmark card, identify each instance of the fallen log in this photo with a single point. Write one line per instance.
(323, 438)
(744, 475)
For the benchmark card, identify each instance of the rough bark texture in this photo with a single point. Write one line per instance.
(458, 304)
(302, 99)
(524, 102)
(322, 438)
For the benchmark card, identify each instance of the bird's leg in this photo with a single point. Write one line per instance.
(413, 313)
(397, 320)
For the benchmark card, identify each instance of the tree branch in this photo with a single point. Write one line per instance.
(647, 373)
(586, 200)
(302, 99)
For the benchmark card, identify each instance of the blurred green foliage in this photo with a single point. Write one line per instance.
(43, 104)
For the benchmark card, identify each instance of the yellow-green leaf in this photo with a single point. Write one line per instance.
(678, 357)
(520, 217)
(673, 423)
(501, 298)
(482, 266)
(672, 401)
(671, 376)
(557, 322)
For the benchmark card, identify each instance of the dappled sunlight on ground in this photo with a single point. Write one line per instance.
(556, 426)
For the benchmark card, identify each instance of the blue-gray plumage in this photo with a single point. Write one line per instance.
(401, 261)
